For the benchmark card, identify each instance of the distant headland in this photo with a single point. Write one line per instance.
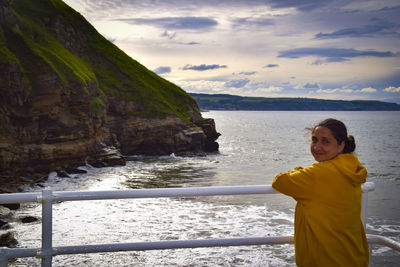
(234, 102)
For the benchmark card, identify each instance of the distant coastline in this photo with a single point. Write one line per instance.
(234, 102)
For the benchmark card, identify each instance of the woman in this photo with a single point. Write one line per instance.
(328, 228)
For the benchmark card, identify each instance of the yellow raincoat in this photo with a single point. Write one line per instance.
(328, 228)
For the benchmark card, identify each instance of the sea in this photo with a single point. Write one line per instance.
(254, 147)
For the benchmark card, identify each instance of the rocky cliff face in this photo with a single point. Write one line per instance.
(69, 96)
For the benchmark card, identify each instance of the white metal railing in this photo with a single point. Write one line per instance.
(47, 197)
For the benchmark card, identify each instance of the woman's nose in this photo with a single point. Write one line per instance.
(317, 145)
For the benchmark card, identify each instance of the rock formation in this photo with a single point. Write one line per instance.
(69, 96)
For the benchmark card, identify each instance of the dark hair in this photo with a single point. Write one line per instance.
(339, 131)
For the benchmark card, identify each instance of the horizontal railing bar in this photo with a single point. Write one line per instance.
(201, 243)
(173, 192)
(173, 244)
(177, 244)
(19, 197)
(382, 240)
(18, 252)
(164, 192)
(148, 193)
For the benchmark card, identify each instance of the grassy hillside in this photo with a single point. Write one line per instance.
(48, 34)
(232, 102)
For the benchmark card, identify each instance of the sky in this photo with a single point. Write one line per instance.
(327, 49)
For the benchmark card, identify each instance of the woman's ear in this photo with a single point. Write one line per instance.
(341, 147)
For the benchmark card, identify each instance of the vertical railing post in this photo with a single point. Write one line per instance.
(368, 186)
(364, 205)
(3, 258)
(47, 228)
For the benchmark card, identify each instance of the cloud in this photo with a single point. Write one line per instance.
(250, 22)
(271, 66)
(333, 54)
(368, 90)
(311, 86)
(393, 8)
(378, 27)
(392, 89)
(347, 90)
(304, 5)
(332, 91)
(203, 67)
(247, 73)
(330, 60)
(237, 83)
(192, 43)
(270, 89)
(175, 23)
(169, 35)
(162, 70)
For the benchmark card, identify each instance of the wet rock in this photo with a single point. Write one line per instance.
(29, 219)
(62, 173)
(8, 240)
(191, 154)
(208, 126)
(12, 206)
(4, 212)
(74, 170)
(105, 157)
(4, 225)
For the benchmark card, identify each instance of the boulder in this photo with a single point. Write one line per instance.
(62, 173)
(208, 127)
(8, 240)
(105, 156)
(4, 212)
(12, 206)
(29, 219)
(4, 225)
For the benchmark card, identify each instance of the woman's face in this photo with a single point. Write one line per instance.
(323, 145)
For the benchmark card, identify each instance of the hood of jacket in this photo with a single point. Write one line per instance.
(351, 168)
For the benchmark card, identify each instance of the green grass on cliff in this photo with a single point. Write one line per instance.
(130, 80)
(68, 66)
(43, 28)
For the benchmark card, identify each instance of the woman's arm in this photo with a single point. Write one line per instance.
(298, 183)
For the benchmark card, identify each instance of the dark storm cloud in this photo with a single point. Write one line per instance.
(376, 28)
(333, 54)
(175, 23)
(162, 70)
(203, 67)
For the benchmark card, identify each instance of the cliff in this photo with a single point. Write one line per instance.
(68, 96)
